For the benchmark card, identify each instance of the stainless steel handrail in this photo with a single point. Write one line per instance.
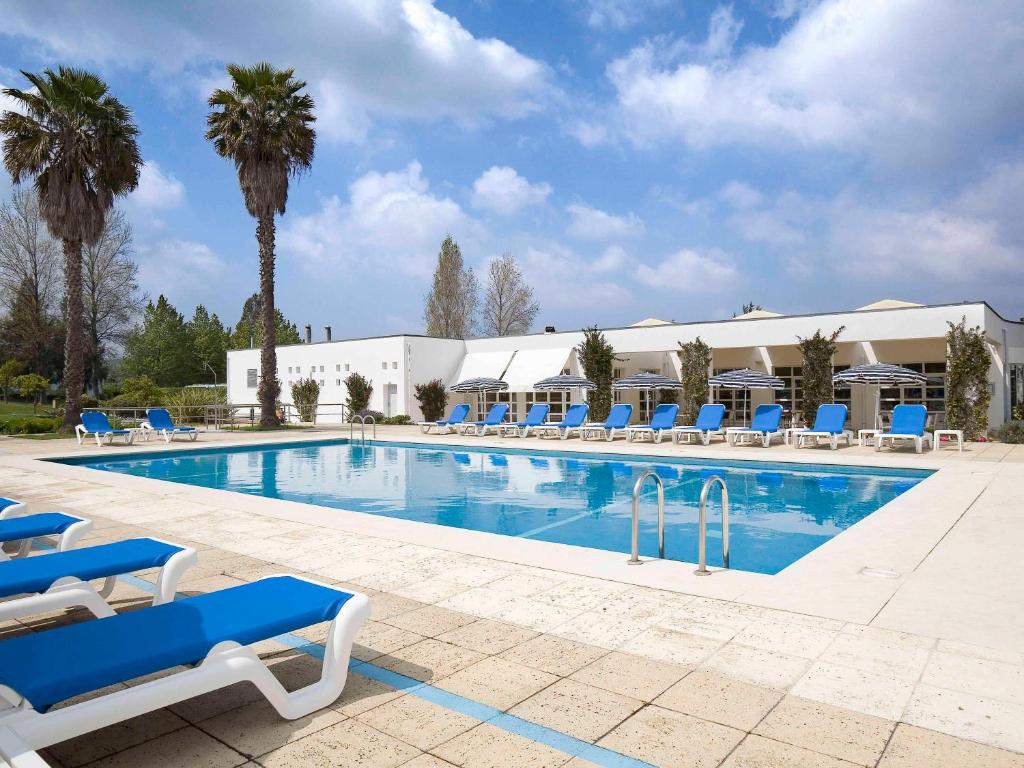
(362, 426)
(702, 545)
(635, 552)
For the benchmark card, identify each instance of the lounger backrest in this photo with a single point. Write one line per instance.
(576, 415)
(709, 419)
(909, 419)
(497, 413)
(830, 418)
(767, 418)
(537, 414)
(458, 414)
(618, 416)
(159, 418)
(94, 421)
(664, 416)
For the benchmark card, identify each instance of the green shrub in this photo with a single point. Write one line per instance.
(597, 358)
(306, 395)
(1018, 412)
(88, 401)
(400, 419)
(694, 361)
(189, 403)
(29, 425)
(32, 386)
(1011, 432)
(433, 398)
(967, 362)
(141, 393)
(359, 391)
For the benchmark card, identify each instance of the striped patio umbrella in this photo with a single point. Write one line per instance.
(565, 381)
(647, 381)
(480, 384)
(746, 379)
(879, 375)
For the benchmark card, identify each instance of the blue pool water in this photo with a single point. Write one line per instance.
(779, 512)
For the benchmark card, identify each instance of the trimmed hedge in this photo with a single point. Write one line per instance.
(29, 425)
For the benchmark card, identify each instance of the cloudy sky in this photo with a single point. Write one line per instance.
(665, 158)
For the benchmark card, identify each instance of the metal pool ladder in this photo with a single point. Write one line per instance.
(362, 427)
(702, 544)
(635, 552)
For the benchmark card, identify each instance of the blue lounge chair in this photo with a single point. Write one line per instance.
(495, 417)
(159, 420)
(663, 420)
(617, 421)
(829, 423)
(444, 426)
(573, 421)
(908, 423)
(60, 580)
(10, 508)
(27, 528)
(208, 636)
(97, 423)
(534, 418)
(709, 422)
(764, 426)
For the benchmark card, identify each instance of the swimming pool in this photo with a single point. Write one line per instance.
(779, 511)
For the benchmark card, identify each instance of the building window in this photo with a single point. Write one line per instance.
(384, 365)
(298, 369)
(617, 373)
(337, 383)
(337, 367)
(321, 371)
(932, 395)
(346, 367)
(557, 402)
(251, 378)
(736, 401)
(321, 382)
(394, 365)
(289, 369)
(492, 398)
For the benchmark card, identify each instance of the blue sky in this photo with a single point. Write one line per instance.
(639, 157)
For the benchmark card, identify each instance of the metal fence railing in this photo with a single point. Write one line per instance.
(225, 415)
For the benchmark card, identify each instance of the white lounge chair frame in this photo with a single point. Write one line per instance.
(705, 435)
(514, 430)
(740, 438)
(67, 540)
(167, 434)
(546, 430)
(443, 428)
(832, 437)
(918, 440)
(24, 730)
(600, 431)
(14, 510)
(633, 433)
(81, 433)
(70, 592)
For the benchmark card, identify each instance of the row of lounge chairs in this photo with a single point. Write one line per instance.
(158, 421)
(208, 636)
(908, 424)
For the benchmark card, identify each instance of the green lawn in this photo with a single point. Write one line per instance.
(15, 408)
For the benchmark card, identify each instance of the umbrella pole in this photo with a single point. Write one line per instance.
(878, 406)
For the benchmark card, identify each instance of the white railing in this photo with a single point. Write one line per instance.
(224, 415)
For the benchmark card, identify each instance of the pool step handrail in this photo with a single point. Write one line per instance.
(702, 533)
(634, 558)
(362, 426)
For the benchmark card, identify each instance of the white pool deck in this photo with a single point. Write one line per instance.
(913, 617)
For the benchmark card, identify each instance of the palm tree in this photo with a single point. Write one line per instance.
(79, 145)
(264, 124)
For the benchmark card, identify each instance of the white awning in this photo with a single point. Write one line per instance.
(532, 365)
(478, 364)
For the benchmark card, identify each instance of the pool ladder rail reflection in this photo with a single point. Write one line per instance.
(702, 567)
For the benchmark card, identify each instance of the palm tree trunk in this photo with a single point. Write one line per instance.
(268, 386)
(74, 363)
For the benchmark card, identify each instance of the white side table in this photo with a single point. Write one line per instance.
(787, 436)
(730, 434)
(867, 436)
(950, 433)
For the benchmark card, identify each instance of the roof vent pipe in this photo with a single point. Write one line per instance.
(309, 333)
(327, 333)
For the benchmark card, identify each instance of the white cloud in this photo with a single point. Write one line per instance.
(157, 190)
(886, 78)
(689, 271)
(613, 258)
(619, 14)
(364, 59)
(591, 223)
(502, 190)
(184, 271)
(550, 266)
(741, 195)
(392, 224)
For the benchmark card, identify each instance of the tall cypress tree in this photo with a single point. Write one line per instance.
(451, 304)
(597, 358)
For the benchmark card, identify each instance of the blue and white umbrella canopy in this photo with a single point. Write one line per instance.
(480, 384)
(565, 381)
(745, 378)
(879, 375)
(647, 381)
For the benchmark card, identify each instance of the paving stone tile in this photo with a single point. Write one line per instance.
(106, 741)
(902, 660)
(496, 682)
(672, 740)
(362, 693)
(630, 675)
(418, 722)
(578, 709)
(758, 752)
(430, 621)
(981, 677)
(847, 688)
(377, 638)
(556, 655)
(671, 646)
(913, 747)
(720, 699)
(990, 721)
(751, 665)
(791, 638)
(428, 660)
(257, 728)
(486, 636)
(851, 736)
(349, 744)
(489, 747)
(184, 748)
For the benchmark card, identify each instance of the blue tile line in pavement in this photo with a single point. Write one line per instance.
(541, 734)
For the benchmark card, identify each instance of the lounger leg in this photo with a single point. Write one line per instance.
(65, 593)
(171, 573)
(74, 532)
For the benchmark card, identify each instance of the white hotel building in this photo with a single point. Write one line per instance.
(887, 331)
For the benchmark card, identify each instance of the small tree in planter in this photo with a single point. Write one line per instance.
(694, 360)
(33, 386)
(597, 358)
(306, 395)
(359, 391)
(433, 398)
(967, 396)
(818, 352)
